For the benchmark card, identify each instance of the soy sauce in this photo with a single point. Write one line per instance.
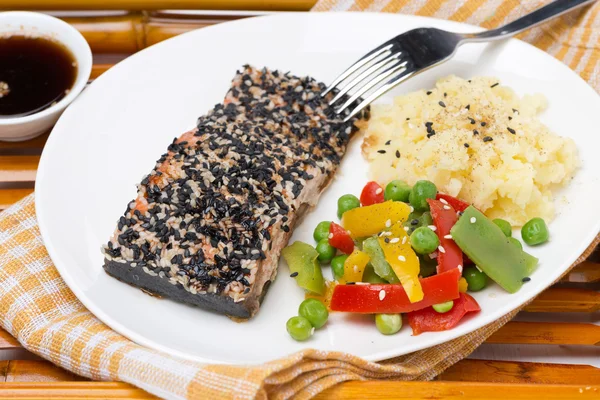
(35, 73)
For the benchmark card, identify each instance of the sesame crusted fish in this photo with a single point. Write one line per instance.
(211, 218)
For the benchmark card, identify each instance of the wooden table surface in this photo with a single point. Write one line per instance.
(551, 350)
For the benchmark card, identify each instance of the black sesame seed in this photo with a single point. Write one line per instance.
(475, 132)
(483, 123)
(285, 228)
(388, 142)
(509, 118)
(442, 104)
(515, 110)
(466, 145)
(511, 130)
(350, 283)
(468, 107)
(294, 274)
(494, 85)
(429, 92)
(430, 134)
(397, 153)
(386, 240)
(407, 118)
(381, 151)
(445, 94)
(487, 139)
(472, 121)
(526, 279)
(414, 222)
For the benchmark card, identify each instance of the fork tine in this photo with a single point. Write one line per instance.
(371, 84)
(358, 64)
(386, 62)
(384, 88)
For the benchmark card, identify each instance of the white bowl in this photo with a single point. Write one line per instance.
(20, 22)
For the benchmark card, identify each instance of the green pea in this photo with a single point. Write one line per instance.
(426, 219)
(535, 232)
(337, 266)
(314, 311)
(504, 225)
(516, 242)
(397, 191)
(443, 307)
(424, 241)
(299, 328)
(476, 280)
(322, 231)
(388, 324)
(419, 194)
(346, 203)
(325, 250)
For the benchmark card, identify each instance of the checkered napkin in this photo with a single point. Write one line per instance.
(37, 307)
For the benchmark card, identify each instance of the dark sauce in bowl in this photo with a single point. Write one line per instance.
(35, 73)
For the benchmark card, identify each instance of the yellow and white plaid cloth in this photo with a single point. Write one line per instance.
(39, 310)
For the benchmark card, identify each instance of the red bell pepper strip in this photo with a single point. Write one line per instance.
(372, 193)
(455, 203)
(444, 218)
(340, 239)
(429, 320)
(392, 299)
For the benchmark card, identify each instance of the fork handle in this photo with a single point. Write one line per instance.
(530, 20)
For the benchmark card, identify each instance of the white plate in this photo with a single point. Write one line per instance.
(112, 135)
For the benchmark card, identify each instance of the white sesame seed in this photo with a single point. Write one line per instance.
(433, 255)
(330, 235)
(478, 269)
(460, 268)
(447, 236)
(473, 219)
(402, 258)
(447, 208)
(443, 201)
(349, 233)
(432, 227)
(404, 239)
(406, 228)
(388, 223)
(387, 234)
(356, 269)
(394, 240)
(412, 209)
(441, 249)
(381, 294)
(362, 283)
(379, 191)
(312, 331)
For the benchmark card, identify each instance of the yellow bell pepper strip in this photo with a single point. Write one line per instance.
(370, 220)
(462, 285)
(403, 260)
(355, 266)
(326, 297)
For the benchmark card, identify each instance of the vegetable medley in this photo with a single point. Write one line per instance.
(407, 250)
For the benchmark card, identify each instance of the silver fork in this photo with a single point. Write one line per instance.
(417, 50)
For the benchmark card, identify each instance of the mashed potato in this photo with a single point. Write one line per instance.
(476, 140)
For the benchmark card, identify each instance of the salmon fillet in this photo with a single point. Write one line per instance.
(210, 220)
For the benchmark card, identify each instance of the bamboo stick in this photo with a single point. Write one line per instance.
(111, 34)
(565, 300)
(547, 333)
(10, 196)
(375, 390)
(520, 372)
(18, 168)
(271, 5)
(38, 371)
